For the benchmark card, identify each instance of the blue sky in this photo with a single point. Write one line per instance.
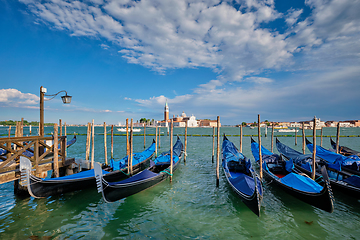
(285, 60)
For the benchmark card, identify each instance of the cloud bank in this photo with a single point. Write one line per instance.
(239, 40)
(14, 98)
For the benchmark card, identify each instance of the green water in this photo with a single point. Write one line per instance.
(191, 207)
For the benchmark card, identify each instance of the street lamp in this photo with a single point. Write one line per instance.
(66, 99)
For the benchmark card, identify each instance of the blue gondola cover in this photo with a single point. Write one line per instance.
(301, 183)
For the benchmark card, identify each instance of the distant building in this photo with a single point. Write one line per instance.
(178, 121)
(166, 112)
(208, 123)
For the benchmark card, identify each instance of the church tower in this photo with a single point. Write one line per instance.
(166, 112)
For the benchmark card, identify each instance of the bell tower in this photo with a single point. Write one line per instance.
(166, 112)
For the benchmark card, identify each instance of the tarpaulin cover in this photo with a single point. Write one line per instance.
(84, 174)
(164, 158)
(289, 165)
(296, 156)
(332, 157)
(243, 183)
(336, 166)
(307, 166)
(137, 158)
(301, 183)
(353, 180)
(255, 151)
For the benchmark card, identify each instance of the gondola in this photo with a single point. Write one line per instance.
(39, 187)
(158, 171)
(345, 150)
(2, 152)
(340, 180)
(348, 164)
(285, 176)
(241, 176)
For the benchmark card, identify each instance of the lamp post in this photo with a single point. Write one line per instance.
(66, 99)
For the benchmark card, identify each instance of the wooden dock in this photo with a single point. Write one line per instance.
(43, 152)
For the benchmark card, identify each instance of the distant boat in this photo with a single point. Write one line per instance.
(288, 130)
(124, 129)
(280, 127)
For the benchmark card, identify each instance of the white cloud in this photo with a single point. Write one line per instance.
(260, 80)
(292, 16)
(14, 98)
(312, 94)
(104, 46)
(166, 34)
(170, 34)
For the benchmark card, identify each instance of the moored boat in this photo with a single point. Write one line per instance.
(158, 171)
(44, 187)
(340, 180)
(351, 165)
(285, 176)
(241, 176)
(343, 150)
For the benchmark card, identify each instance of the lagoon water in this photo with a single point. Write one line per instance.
(191, 207)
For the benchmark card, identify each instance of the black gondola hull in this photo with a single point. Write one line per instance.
(41, 189)
(322, 200)
(112, 193)
(253, 202)
(335, 184)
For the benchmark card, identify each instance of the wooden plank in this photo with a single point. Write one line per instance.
(17, 154)
(23, 139)
(56, 156)
(12, 173)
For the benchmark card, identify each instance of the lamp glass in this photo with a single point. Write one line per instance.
(66, 99)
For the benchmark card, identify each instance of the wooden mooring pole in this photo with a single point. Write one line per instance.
(127, 145)
(56, 152)
(213, 149)
(295, 136)
(171, 148)
(218, 152)
(159, 137)
(88, 137)
(93, 144)
(112, 141)
(60, 126)
(105, 146)
(260, 156)
(337, 137)
(65, 129)
(321, 136)
(241, 138)
(9, 131)
(272, 138)
(185, 152)
(144, 135)
(303, 137)
(156, 140)
(314, 150)
(131, 146)
(265, 130)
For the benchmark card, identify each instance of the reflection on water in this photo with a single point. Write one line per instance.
(189, 207)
